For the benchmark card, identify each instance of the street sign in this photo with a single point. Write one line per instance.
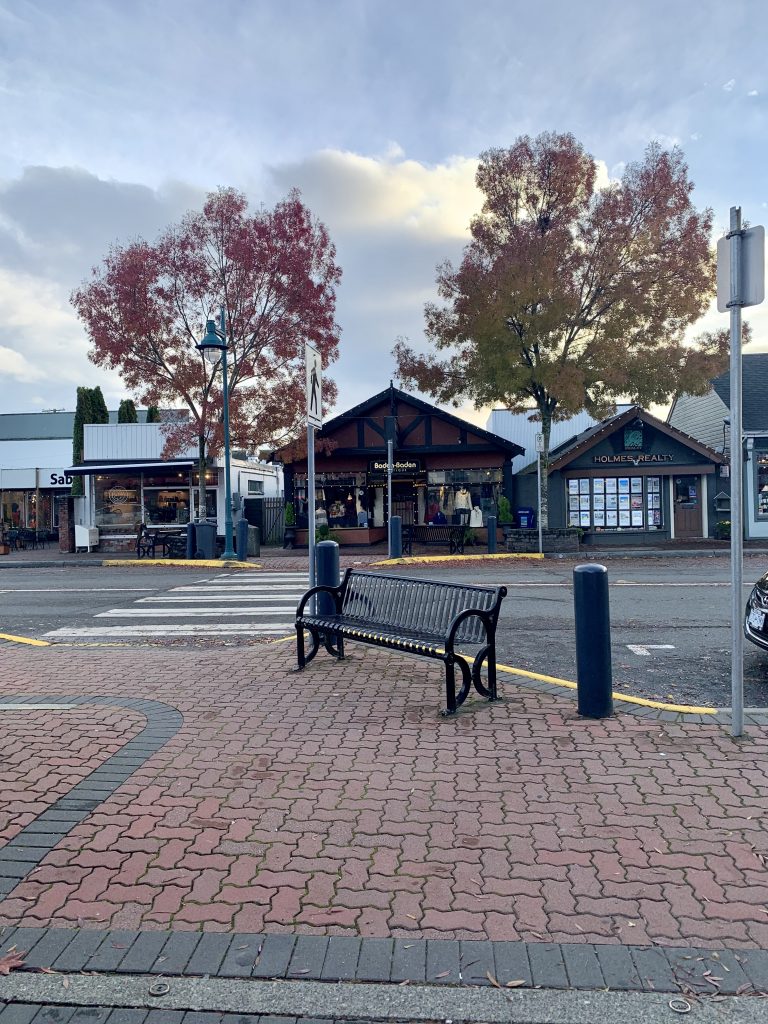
(539, 442)
(752, 283)
(314, 386)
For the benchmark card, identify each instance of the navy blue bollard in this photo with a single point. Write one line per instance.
(242, 540)
(327, 574)
(191, 545)
(396, 537)
(491, 535)
(594, 679)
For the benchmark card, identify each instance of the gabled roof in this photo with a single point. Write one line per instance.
(754, 390)
(394, 395)
(567, 452)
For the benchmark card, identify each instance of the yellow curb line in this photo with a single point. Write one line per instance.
(189, 563)
(425, 559)
(567, 684)
(24, 640)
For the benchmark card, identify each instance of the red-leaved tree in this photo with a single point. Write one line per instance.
(570, 296)
(275, 274)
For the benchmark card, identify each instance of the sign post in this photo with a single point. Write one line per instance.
(740, 282)
(314, 367)
(390, 453)
(539, 450)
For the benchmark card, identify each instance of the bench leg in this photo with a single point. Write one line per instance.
(337, 651)
(302, 658)
(454, 700)
(488, 655)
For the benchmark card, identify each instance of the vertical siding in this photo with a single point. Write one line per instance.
(123, 442)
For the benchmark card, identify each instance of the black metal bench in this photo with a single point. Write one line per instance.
(425, 617)
(449, 536)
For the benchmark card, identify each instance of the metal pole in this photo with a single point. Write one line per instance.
(229, 551)
(538, 515)
(737, 473)
(389, 495)
(311, 500)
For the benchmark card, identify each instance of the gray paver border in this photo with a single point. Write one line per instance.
(442, 962)
(22, 854)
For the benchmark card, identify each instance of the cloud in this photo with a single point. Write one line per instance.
(728, 86)
(753, 92)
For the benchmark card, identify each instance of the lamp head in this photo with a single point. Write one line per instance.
(212, 346)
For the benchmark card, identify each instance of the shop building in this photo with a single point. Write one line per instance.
(707, 417)
(127, 483)
(631, 476)
(443, 467)
(35, 453)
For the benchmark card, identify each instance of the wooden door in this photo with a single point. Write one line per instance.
(687, 507)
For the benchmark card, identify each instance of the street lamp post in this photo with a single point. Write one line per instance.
(214, 349)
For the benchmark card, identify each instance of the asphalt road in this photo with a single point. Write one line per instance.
(670, 619)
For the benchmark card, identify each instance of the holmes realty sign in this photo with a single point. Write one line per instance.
(633, 460)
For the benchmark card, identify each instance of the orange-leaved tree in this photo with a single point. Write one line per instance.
(275, 274)
(569, 296)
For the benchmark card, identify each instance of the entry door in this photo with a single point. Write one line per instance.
(687, 507)
(404, 503)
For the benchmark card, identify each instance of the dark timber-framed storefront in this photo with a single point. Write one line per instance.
(631, 476)
(443, 467)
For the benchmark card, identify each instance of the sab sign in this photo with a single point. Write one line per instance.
(61, 480)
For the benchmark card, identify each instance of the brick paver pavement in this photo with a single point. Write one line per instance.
(339, 802)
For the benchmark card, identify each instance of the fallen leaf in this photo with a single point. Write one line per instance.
(515, 984)
(412, 916)
(11, 961)
(65, 983)
(443, 974)
(492, 980)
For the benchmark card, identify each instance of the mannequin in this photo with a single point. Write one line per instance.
(462, 503)
(462, 500)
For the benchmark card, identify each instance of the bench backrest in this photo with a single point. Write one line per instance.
(429, 606)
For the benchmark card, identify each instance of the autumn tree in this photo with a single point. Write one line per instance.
(569, 296)
(274, 272)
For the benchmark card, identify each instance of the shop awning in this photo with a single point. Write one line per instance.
(113, 468)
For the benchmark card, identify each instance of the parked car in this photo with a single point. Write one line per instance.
(756, 614)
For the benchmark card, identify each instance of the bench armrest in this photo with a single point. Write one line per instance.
(335, 592)
(487, 620)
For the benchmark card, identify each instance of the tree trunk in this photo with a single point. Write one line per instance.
(546, 430)
(201, 467)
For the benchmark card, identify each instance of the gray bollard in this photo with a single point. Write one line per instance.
(491, 535)
(327, 574)
(241, 544)
(191, 545)
(396, 537)
(594, 678)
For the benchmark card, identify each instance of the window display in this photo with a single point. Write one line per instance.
(762, 485)
(609, 503)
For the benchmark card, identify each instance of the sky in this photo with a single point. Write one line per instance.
(116, 117)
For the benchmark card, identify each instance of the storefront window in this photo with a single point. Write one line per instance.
(762, 485)
(14, 508)
(341, 499)
(117, 501)
(615, 503)
(471, 494)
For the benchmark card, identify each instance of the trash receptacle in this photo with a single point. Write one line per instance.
(205, 538)
(526, 518)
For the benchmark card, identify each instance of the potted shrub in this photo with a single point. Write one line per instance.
(723, 529)
(289, 533)
(505, 515)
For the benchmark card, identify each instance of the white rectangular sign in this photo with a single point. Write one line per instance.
(539, 442)
(314, 386)
(752, 269)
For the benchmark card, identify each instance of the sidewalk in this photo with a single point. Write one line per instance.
(218, 798)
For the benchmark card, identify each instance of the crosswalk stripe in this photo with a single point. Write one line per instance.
(269, 599)
(188, 629)
(174, 613)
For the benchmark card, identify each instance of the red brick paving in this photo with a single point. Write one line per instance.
(338, 801)
(45, 752)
